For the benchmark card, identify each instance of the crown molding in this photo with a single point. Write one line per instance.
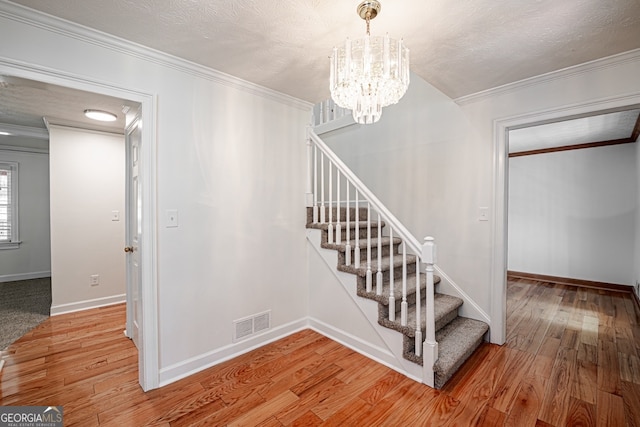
(586, 67)
(31, 150)
(85, 34)
(25, 131)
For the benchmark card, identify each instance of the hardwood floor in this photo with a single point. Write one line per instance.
(572, 358)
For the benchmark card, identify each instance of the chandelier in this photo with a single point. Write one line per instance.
(369, 73)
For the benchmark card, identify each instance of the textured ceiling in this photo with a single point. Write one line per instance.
(460, 47)
(26, 103)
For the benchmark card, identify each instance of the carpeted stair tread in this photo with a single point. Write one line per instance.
(362, 243)
(383, 298)
(343, 214)
(352, 226)
(446, 310)
(384, 265)
(456, 342)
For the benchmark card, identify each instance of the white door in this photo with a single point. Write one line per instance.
(133, 233)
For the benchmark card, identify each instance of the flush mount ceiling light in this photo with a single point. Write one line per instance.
(369, 73)
(103, 116)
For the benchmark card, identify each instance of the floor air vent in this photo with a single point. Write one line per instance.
(245, 327)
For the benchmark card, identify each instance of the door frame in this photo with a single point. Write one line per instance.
(501, 128)
(148, 354)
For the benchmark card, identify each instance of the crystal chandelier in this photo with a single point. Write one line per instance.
(369, 73)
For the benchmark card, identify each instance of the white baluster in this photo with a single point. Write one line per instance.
(430, 346)
(338, 226)
(404, 306)
(379, 273)
(347, 248)
(368, 278)
(330, 227)
(327, 111)
(322, 210)
(392, 298)
(418, 341)
(309, 192)
(356, 249)
(315, 184)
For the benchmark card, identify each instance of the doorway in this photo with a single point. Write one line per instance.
(501, 190)
(148, 354)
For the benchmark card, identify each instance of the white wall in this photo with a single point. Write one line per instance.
(33, 258)
(87, 181)
(231, 160)
(571, 213)
(432, 159)
(417, 161)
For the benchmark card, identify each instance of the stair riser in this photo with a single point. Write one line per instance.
(352, 234)
(383, 312)
(363, 253)
(397, 273)
(343, 214)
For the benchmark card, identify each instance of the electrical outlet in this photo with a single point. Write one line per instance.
(94, 280)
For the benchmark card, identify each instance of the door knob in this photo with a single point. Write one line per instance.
(128, 249)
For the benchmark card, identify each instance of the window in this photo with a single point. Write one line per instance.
(9, 205)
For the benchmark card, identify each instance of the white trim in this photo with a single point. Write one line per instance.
(24, 276)
(13, 241)
(500, 190)
(587, 67)
(82, 130)
(29, 150)
(72, 307)
(66, 28)
(25, 131)
(375, 353)
(15, 244)
(469, 308)
(342, 122)
(195, 364)
(150, 378)
(150, 349)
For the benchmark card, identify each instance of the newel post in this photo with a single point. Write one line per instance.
(430, 346)
(309, 192)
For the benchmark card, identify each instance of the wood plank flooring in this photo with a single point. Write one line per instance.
(572, 359)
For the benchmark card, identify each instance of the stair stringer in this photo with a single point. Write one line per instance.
(469, 308)
(390, 356)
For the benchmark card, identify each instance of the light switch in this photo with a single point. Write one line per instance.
(115, 215)
(483, 214)
(172, 218)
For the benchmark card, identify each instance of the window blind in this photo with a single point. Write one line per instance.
(6, 202)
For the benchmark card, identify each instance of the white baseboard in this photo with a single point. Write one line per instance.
(191, 366)
(366, 349)
(183, 369)
(87, 304)
(24, 276)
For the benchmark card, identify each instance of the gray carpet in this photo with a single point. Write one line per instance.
(23, 306)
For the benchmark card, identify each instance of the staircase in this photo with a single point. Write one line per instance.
(457, 337)
(388, 265)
